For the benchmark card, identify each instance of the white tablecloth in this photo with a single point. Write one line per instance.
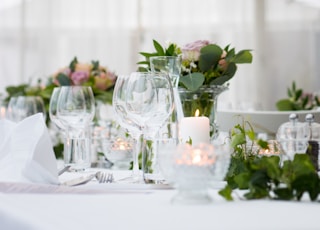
(138, 206)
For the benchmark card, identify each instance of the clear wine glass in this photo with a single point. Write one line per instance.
(119, 106)
(75, 110)
(24, 106)
(170, 65)
(53, 109)
(149, 104)
(149, 100)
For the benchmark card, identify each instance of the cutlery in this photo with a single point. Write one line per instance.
(104, 177)
(64, 169)
(79, 180)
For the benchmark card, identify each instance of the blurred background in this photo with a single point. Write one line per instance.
(38, 37)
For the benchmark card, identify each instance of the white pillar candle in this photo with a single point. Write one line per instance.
(195, 128)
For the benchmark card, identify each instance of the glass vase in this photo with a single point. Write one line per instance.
(197, 114)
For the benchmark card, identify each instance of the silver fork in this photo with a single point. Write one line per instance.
(109, 178)
(104, 177)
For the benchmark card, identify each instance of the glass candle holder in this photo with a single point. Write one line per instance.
(119, 152)
(191, 170)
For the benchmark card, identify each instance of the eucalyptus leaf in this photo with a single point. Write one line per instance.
(231, 70)
(284, 105)
(192, 81)
(243, 56)
(209, 57)
(63, 79)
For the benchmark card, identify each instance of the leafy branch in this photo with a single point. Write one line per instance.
(297, 100)
(267, 176)
(171, 50)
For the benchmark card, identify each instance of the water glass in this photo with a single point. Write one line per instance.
(75, 111)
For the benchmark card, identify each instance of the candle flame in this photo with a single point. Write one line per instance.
(196, 158)
(196, 114)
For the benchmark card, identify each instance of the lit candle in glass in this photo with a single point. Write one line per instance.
(2, 112)
(201, 155)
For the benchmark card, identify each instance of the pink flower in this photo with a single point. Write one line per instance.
(79, 77)
(191, 51)
(104, 80)
(83, 67)
(222, 62)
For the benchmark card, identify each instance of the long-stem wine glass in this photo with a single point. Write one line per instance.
(53, 109)
(149, 104)
(58, 126)
(23, 106)
(149, 100)
(170, 65)
(119, 106)
(75, 110)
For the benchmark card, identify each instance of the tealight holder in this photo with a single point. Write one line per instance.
(189, 169)
(274, 149)
(118, 151)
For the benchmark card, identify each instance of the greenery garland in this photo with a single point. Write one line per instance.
(267, 176)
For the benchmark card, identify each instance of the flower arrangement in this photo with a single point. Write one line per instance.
(298, 100)
(203, 62)
(206, 69)
(100, 79)
(91, 74)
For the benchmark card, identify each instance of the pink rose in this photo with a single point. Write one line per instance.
(79, 77)
(222, 62)
(104, 80)
(191, 51)
(83, 67)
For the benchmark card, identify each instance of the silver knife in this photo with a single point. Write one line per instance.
(64, 169)
(79, 180)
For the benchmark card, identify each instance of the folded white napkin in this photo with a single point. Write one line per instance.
(26, 152)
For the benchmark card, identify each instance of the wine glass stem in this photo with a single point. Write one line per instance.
(136, 152)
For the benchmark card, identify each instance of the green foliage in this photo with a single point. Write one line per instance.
(209, 57)
(267, 176)
(264, 177)
(215, 66)
(297, 100)
(171, 50)
(192, 81)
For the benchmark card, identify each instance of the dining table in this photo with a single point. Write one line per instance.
(124, 204)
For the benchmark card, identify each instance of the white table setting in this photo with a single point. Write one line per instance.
(30, 199)
(180, 159)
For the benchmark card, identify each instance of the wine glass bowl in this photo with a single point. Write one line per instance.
(149, 100)
(53, 108)
(23, 106)
(75, 106)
